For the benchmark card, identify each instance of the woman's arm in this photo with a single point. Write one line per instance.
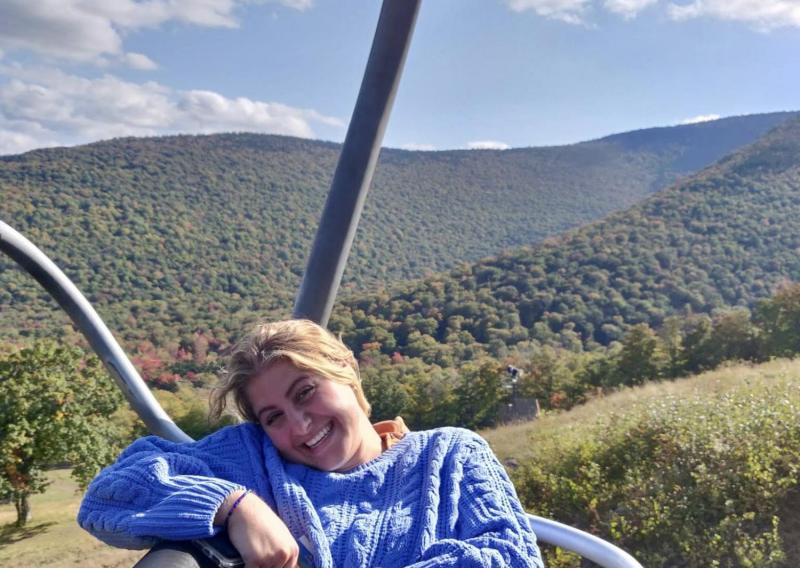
(162, 490)
(492, 529)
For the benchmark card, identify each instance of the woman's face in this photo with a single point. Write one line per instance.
(310, 419)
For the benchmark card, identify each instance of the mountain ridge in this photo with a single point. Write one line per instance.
(157, 229)
(726, 237)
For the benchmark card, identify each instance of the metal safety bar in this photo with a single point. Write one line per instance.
(587, 545)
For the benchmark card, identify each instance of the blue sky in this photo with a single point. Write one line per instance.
(480, 73)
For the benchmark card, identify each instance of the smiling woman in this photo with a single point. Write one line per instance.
(302, 385)
(311, 419)
(307, 466)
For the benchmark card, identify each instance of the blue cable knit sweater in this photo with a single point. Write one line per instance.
(435, 498)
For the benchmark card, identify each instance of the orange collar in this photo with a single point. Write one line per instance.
(391, 431)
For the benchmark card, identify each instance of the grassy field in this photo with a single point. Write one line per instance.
(52, 537)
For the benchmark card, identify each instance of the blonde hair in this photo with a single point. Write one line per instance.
(303, 343)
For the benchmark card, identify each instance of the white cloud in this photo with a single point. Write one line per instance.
(487, 145)
(627, 8)
(130, 14)
(763, 14)
(88, 30)
(57, 28)
(570, 11)
(45, 107)
(17, 139)
(297, 4)
(205, 111)
(700, 118)
(139, 61)
(419, 147)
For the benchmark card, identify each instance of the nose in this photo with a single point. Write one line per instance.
(299, 421)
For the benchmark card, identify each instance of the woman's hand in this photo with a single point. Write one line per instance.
(259, 535)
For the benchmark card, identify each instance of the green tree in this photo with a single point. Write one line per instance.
(779, 318)
(547, 376)
(188, 410)
(640, 358)
(671, 336)
(697, 353)
(55, 405)
(480, 393)
(422, 393)
(735, 337)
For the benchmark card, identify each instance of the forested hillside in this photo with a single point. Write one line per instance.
(173, 236)
(729, 236)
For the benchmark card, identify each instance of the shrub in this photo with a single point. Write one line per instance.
(677, 480)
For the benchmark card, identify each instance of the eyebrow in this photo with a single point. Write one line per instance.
(287, 395)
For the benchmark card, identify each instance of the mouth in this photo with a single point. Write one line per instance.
(320, 437)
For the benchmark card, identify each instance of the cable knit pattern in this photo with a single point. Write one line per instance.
(437, 498)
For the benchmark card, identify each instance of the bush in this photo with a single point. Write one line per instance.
(679, 481)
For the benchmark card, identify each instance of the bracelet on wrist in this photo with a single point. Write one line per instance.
(236, 503)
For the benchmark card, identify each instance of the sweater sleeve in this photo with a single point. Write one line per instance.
(492, 529)
(162, 490)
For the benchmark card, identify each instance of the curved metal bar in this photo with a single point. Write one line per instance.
(597, 550)
(175, 554)
(356, 165)
(83, 315)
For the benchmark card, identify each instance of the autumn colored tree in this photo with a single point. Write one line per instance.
(55, 404)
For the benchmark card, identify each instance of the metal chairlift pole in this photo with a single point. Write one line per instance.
(356, 165)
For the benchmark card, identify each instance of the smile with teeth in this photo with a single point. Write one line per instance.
(316, 440)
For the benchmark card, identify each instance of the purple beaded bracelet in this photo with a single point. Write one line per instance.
(236, 504)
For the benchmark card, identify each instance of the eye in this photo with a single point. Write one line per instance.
(305, 392)
(270, 419)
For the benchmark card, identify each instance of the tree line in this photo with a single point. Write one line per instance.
(472, 394)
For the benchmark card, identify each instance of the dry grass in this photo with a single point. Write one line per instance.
(519, 441)
(52, 537)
